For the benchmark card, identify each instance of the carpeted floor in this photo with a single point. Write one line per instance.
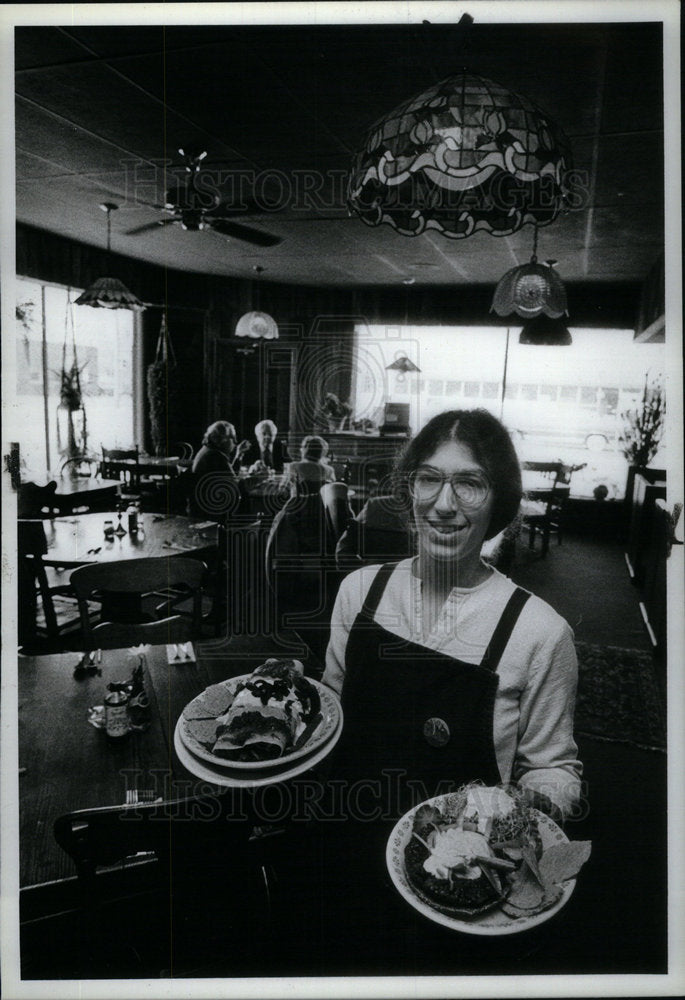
(618, 698)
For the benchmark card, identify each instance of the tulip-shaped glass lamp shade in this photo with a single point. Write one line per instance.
(257, 326)
(530, 290)
(465, 155)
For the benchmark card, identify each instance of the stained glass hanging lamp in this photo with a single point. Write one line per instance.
(464, 156)
(530, 290)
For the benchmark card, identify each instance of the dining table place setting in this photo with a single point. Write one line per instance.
(105, 537)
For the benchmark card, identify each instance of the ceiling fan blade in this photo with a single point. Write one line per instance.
(148, 227)
(255, 236)
(248, 206)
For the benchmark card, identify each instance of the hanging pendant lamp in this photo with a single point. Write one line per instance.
(402, 364)
(543, 331)
(109, 293)
(531, 289)
(255, 324)
(465, 155)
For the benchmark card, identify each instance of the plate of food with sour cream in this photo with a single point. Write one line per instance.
(481, 860)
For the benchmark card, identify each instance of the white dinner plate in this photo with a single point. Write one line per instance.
(331, 712)
(228, 778)
(494, 921)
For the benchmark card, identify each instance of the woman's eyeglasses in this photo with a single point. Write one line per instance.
(470, 488)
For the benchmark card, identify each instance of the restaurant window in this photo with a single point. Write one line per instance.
(48, 325)
(560, 402)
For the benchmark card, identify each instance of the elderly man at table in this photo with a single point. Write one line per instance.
(218, 447)
(266, 452)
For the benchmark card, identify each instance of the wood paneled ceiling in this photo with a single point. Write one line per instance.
(101, 112)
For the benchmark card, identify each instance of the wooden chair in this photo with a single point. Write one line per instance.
(81, 467)
(334, 497)
(128, 474)
(301, 570)
(201, 868)
(35, 501)
(129, 594)
(542, 508)
(379, 533)
(183, 450)
(60, 612)
(372, 477)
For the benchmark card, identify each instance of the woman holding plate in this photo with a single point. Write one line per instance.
(448, 672)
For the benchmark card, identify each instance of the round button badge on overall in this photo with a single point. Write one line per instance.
(436, 732)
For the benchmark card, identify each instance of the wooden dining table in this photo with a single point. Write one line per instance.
(614, 922)
(73, 491)
(73, 541)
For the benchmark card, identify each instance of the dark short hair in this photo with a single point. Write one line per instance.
(490, 446)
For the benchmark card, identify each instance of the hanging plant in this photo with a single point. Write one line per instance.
(72, 433)
(161, 390)
(644, 426)
(70, 392)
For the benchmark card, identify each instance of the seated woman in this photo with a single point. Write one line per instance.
(449, 672)
(218, 445)
(211, 487)
(312, 471)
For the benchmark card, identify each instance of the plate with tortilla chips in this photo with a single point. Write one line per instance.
(482, 861)
(269, 718)
(254, 778)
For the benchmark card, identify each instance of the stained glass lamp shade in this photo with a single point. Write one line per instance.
(529, 290)
(465, 155)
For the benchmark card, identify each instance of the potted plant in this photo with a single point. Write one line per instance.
(642, 433)
(335, 412)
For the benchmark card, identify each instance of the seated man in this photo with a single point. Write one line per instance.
(267, 450)
(310, 474)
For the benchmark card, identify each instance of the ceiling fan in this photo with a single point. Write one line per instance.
(193, 209)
